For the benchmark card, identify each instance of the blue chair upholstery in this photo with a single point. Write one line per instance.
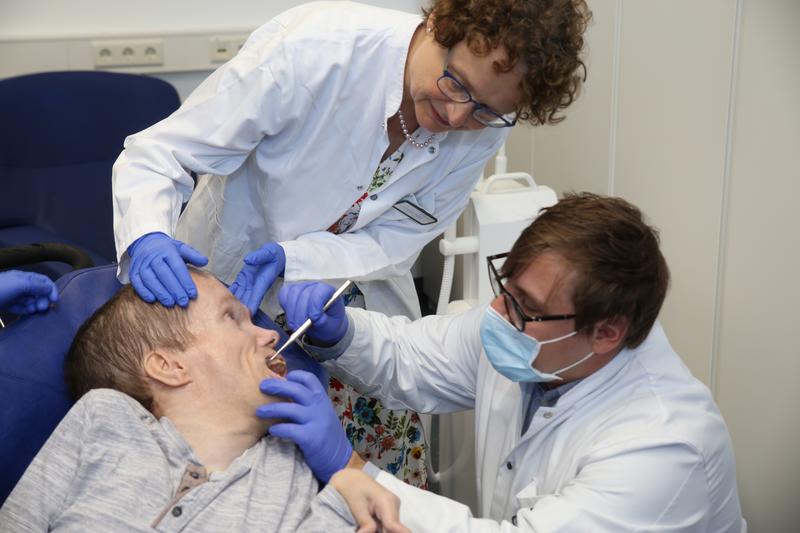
(61, 133)
(33, 394)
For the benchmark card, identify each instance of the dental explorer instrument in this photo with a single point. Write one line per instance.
(302, 329)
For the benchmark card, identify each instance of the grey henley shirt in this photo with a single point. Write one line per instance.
(110, 465)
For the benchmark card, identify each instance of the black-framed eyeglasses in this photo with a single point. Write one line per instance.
(516, 315)
(452, 88)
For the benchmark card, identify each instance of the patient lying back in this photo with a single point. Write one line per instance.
(164, 434)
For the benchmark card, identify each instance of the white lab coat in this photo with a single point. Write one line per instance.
(288, 135)
(637, 446)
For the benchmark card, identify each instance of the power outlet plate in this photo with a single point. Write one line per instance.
(127, 53)
(221, 48)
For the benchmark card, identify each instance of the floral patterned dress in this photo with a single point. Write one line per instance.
(390, 439)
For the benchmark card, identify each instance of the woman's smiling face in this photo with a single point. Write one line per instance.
(500, 91)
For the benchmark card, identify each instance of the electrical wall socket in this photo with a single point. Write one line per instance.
(224, 47)
(129, 52)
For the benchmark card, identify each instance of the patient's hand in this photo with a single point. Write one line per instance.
(374, 507)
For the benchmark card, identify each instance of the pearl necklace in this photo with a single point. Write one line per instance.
(408, 136)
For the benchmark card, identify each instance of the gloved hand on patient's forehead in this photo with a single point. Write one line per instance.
(24, 293)
(158, 269)
(310, 422)
(261, 268)
(302, 301)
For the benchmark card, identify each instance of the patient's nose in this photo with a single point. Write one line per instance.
(269, 337)
(265, 337)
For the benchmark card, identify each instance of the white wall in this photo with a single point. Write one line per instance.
(58, 18)
(39, 35)
(759, 361)
(691, 111)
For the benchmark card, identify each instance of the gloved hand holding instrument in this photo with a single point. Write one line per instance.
(311, 422)
(316, 309)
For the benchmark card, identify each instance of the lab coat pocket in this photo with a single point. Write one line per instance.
(413, 208)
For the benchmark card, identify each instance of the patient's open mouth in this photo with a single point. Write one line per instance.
(276, 364)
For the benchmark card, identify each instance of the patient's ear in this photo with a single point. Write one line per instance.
(167, 368)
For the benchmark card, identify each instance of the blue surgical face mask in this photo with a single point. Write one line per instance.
(512, 352)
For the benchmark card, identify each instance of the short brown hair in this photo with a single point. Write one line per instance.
(108, 350)
(544, 36)
(620, 269)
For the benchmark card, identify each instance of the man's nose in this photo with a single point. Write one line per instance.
(268, 337)
(458, 113)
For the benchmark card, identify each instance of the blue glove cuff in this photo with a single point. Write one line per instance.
(328, 353)
(341, 456)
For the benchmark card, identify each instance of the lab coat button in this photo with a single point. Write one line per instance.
(431, 149)
(373, 197)
(548, 414)
(509, 465)
(359, 187)
(177, 511)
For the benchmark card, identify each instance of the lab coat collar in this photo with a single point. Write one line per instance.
(582, 391)
(400, 45)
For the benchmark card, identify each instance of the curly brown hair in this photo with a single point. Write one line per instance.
(544, 36)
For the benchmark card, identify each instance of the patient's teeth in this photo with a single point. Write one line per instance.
(277, 365)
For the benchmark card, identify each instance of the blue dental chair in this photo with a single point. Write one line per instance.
(61, 133)
(33, 395)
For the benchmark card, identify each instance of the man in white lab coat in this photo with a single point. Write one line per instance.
(585, 418)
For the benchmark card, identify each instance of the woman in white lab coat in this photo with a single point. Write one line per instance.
(585, 418)
(338, 142)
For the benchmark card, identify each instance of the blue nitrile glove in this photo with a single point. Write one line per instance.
(158, 269)
(310, 422)
(306, 300)
(24, 293)
(259, 272)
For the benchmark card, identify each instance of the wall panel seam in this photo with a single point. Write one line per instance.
(612, 137)
(724, 202)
